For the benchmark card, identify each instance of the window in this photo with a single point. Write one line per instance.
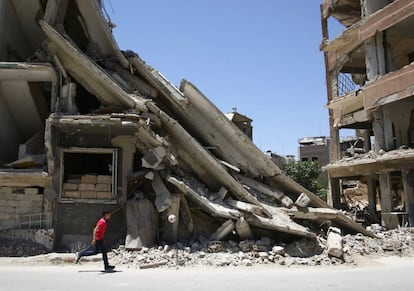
(88, 174)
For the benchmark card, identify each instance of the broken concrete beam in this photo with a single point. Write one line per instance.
(153, 159)
(185, 214)
(243, 206)
(153, 265)
(243, 229)
(221, 194)
(280, 221)
(202, 161)
(163, 199)
(207, 205)
(313, 213)
(303, 200)
(334, 243)
(91, 76)
(226, 228)
(159, 82)
(266, 190)
(234, 146)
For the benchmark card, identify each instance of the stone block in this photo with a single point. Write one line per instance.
(12, 203)
(31, 191)
(89, 179)
(88, 194)
(70, 186)
(35, 197)
(86, 187)
(6, 190)
(104, 179)
(103, 187)
(19, 197)
(25, 203)
(104, 195)
(71, 194)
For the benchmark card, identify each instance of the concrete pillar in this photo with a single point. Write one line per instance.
(334, 193)
(372, 193)
(389, 136)
(389, 220)
(367, 140)
(408, 184)
(400, 113)
(125, 161)
(378, 128)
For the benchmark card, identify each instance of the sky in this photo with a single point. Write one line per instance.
(261, 57)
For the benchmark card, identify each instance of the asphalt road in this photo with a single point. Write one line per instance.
(388, 274)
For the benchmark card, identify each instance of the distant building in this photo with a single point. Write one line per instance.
(318, 149)
(242, 122)
(281, 161)
(315, 149)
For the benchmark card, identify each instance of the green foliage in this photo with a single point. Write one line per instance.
(309, 175)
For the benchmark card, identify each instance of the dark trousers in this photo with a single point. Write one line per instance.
(98, 248)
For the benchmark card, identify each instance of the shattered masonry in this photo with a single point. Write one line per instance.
(86, 127)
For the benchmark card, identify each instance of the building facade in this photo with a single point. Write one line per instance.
(370, 76)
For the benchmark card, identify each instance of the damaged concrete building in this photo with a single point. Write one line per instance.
(370, 76)
(86, 127)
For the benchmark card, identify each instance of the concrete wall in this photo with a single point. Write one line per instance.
(75, 223)
(17, 201)
(321, 152)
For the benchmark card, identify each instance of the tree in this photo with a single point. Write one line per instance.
(309, 175)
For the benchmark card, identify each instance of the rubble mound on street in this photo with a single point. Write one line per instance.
(20, 248)
(306, 252)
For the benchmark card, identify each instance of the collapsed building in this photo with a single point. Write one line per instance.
(370, 76)
(86, 128)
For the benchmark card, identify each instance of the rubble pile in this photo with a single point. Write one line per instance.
(20, 248)
(114, 132)
(376, 156)
(305, 252)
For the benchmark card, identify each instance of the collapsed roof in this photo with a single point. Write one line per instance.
(61, 67)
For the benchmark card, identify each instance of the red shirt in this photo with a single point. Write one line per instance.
(101, 228)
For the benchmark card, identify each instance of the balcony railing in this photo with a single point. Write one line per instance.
(36, 220)
(345, 84)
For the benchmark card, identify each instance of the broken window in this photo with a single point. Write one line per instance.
(88, 174)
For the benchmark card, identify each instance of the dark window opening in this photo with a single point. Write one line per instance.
(77, 164)
(85, 101)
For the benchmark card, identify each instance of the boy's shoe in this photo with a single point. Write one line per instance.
(109, 268)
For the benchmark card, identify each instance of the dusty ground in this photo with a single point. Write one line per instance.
(358, 250)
